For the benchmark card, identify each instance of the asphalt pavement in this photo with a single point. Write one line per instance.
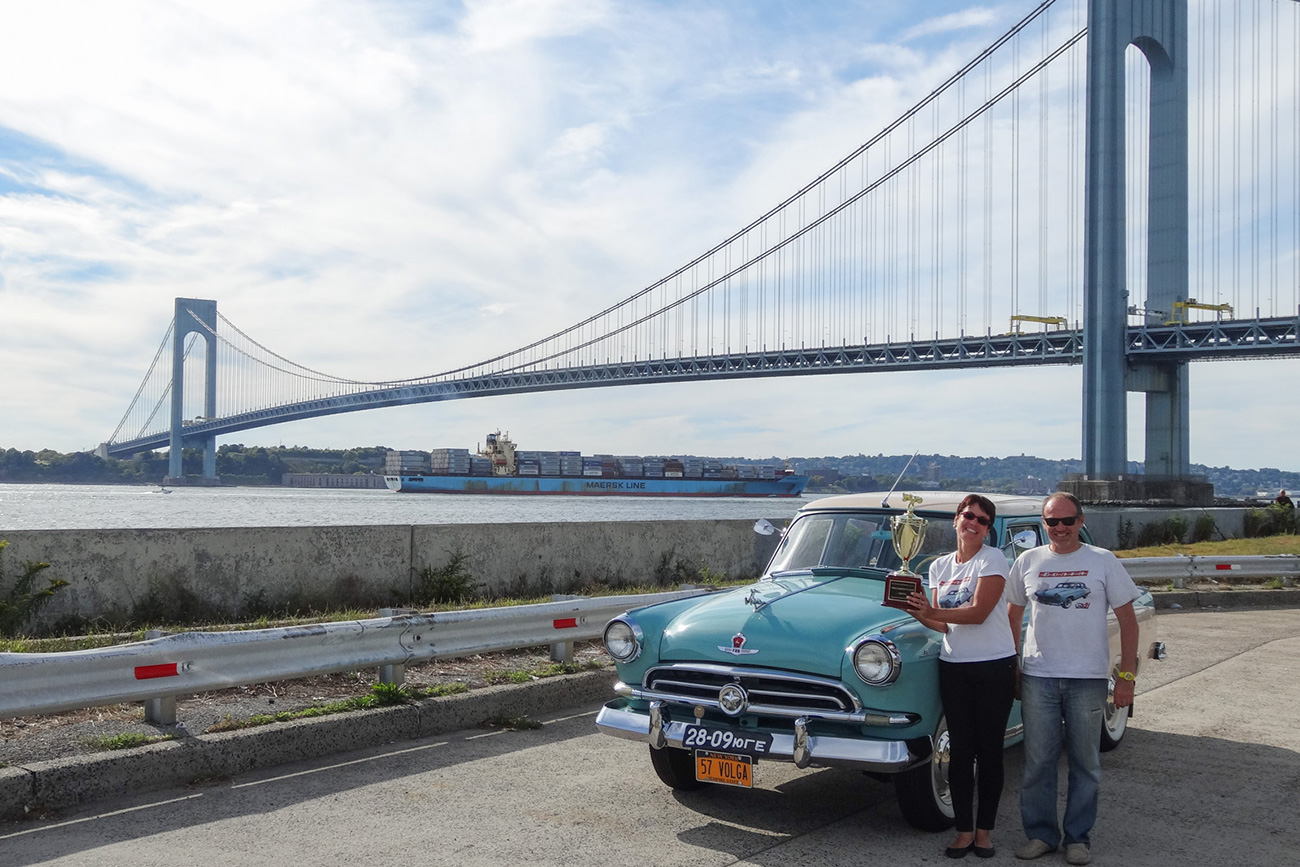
(1208, 774)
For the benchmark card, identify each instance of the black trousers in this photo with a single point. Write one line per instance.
(977, 699)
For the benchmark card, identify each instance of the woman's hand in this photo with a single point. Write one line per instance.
(918, 605)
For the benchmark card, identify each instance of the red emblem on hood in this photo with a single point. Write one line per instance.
(737, 647)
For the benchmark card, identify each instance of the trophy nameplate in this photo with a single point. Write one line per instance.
(907, 532)
(899, 586)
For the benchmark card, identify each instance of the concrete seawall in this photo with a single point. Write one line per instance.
(252, 570)
(153, 575)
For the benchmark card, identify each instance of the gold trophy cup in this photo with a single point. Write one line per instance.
(908, 535)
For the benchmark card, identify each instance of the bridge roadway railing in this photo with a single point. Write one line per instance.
(157, 670)
(1220, 339)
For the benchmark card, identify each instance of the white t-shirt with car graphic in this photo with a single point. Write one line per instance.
(955, 585)
(1067, 597)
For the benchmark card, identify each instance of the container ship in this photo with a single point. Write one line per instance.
(499, 468)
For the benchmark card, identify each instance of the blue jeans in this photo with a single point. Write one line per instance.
(1061, 714)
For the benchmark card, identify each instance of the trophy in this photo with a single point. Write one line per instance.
(908, 534)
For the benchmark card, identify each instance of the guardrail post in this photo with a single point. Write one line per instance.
(394, 673)
(159, 711)
(562, 651)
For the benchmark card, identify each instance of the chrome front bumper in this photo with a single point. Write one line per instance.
(801, 748)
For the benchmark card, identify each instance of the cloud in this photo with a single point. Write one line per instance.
(389, 189)
(963, 20)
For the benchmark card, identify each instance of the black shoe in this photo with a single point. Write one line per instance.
(983, 852)
(958, 851)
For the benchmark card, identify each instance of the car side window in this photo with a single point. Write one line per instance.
(1020, 537)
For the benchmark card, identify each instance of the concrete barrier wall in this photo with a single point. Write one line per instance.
(251, 570)
(1105, 523)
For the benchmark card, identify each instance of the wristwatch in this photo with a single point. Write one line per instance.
(1126, 675)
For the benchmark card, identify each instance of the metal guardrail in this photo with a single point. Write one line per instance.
(158, 670)
(1182, 567)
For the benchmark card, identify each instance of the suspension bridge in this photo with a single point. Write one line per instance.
(1110, 185)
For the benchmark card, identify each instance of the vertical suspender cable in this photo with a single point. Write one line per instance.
(1236, 157)
(1015, 185)
(1044, 154)
(1255, 179)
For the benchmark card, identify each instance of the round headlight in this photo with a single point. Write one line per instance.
(876, 661)
(621, 641)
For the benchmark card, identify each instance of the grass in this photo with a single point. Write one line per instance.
(389, 694)
(380, 695)
(552, 670)
(1226, 548)
(127, 740)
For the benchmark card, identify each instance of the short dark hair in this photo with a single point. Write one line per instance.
(1063, 495)
(983, 502)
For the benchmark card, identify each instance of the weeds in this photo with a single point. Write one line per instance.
(710, 577)
(511, 723)
(449, 583)
(1203, 528)
(380, 695)
(1273, 520)
(20, 601)
(127, 740)
(553, 670)
(496, 678)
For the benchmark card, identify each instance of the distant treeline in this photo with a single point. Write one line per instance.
(236, 464)
(265, 465)
(1022, 474)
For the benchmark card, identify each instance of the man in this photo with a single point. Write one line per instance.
(1065, 666)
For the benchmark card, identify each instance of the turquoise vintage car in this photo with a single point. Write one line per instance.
(808, 666)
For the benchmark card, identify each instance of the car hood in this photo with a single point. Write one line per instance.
(805, 623)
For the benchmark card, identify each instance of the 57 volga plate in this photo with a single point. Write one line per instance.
(727, 769)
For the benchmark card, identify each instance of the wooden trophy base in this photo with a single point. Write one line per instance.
(899, 586)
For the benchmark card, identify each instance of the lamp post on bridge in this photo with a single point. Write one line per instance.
(1159, 29)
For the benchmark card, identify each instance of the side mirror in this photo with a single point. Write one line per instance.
(1024, 540)
(764, 527)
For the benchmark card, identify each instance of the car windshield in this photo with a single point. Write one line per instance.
(855, 539)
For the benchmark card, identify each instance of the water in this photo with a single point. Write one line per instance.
(91, 507)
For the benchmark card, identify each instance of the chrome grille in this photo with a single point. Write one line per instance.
(693, 684)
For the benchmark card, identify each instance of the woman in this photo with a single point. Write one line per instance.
(977, 669)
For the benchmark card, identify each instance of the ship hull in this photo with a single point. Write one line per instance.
(786, 486)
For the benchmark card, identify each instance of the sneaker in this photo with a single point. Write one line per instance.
(1077, 853)
(1033, 849)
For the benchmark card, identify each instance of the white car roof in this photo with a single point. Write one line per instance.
(942, 502)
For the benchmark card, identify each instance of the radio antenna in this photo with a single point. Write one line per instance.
(885, 502)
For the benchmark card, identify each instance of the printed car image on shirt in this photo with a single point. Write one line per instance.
(956, 597)
(1064, 594)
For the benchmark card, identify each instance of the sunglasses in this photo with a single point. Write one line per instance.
(971, 516)
(1069, 522)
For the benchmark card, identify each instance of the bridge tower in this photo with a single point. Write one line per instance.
(200, 317)
(1158, 28)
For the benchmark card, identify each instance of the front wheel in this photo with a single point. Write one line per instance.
(676, 768)
(1114, 721)
(923, 794)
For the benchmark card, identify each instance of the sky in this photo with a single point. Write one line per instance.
(383, 190)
